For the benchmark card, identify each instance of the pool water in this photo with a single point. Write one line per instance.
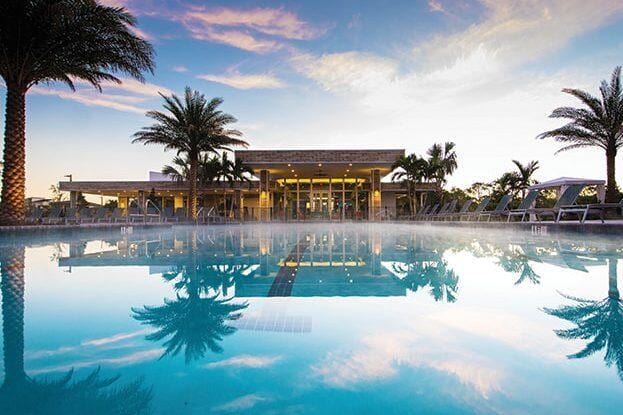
(311, 319)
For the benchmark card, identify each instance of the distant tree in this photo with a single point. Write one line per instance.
(442, 161)
(411, 170)
(525, 173)
(599, 124)
(57, 195)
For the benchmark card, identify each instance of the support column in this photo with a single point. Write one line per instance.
(264, 195)
(356, 197)
(298, 199)
(343, 198)
(330, 199)
(73, 199)
(238, 203)
(375, 194)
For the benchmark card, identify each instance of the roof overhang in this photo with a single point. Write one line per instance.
(320, 163)
(567, 181)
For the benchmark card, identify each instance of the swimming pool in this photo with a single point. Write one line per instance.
(311, 319)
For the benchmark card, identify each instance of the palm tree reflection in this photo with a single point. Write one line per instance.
(197, 320)
(600, 322)
(441, 280)
(21, 394)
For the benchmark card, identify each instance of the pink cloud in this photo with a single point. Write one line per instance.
(235, 38)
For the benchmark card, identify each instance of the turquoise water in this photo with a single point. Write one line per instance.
(311, 319)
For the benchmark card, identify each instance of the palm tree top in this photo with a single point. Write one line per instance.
(194, 125)
(599, 124)
(67, 40)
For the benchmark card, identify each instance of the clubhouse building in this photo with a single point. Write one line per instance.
(287, 185)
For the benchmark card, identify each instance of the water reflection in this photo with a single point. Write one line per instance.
(197, 320)
(253, 292)
(598, 322)
(22, 394)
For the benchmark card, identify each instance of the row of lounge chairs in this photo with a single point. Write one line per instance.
(58, 215)
(564, 206)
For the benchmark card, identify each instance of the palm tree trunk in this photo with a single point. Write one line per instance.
(612, 192)
(14, 172)
(12, 287)
(194, 163)
(613, 289)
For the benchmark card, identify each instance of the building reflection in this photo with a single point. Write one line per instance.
(214, 271)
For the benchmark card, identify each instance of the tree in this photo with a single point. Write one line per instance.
(411, 170)
(600, 125)
(208, 171)
(442, 160)
(191, 127)
(525, 173)
(45, 41)
(57, 195)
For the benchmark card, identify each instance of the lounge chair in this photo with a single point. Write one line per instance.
(422, 212)
(54, 216)
(152, 214)
(101, 215)
(86, 215)
(168, 215)
(524, 206)
(180, 214)
(451, 210)
(432, 215)
(35, 215)
(499, 211)
(567, 198)
(118, 215)
(134, 215)
(464, 209)
(431, 212)
(584, 210)
(71, 215)
(479, 209)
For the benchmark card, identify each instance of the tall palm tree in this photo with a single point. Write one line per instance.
(599, 320)
(191, 127)
(442, 160)
(411, 170)
(600, 125)
(21, 394)
(57, 40)
(525, 173)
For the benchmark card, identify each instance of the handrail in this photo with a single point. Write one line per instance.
(154, 205)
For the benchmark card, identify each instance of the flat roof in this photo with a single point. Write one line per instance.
(320, 163)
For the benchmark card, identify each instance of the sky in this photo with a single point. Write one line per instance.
(357, 74)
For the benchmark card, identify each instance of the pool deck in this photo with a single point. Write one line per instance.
(595, 227)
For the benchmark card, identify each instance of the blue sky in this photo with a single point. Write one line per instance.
(346, 74)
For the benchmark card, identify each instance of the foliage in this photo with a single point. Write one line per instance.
(598, 124)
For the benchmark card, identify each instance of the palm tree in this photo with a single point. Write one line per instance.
(600, 124)
(411, 170)
(234, 171)
(45, 41)
(196, 322)
(437, 276)
(442, 161)
(525, 173)
(22, 394)
(208, 171)
(191, 127)
(599, 320)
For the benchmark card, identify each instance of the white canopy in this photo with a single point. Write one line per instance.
(567, 181)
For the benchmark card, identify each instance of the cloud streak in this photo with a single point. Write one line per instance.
(239, 81)
(245, 361)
